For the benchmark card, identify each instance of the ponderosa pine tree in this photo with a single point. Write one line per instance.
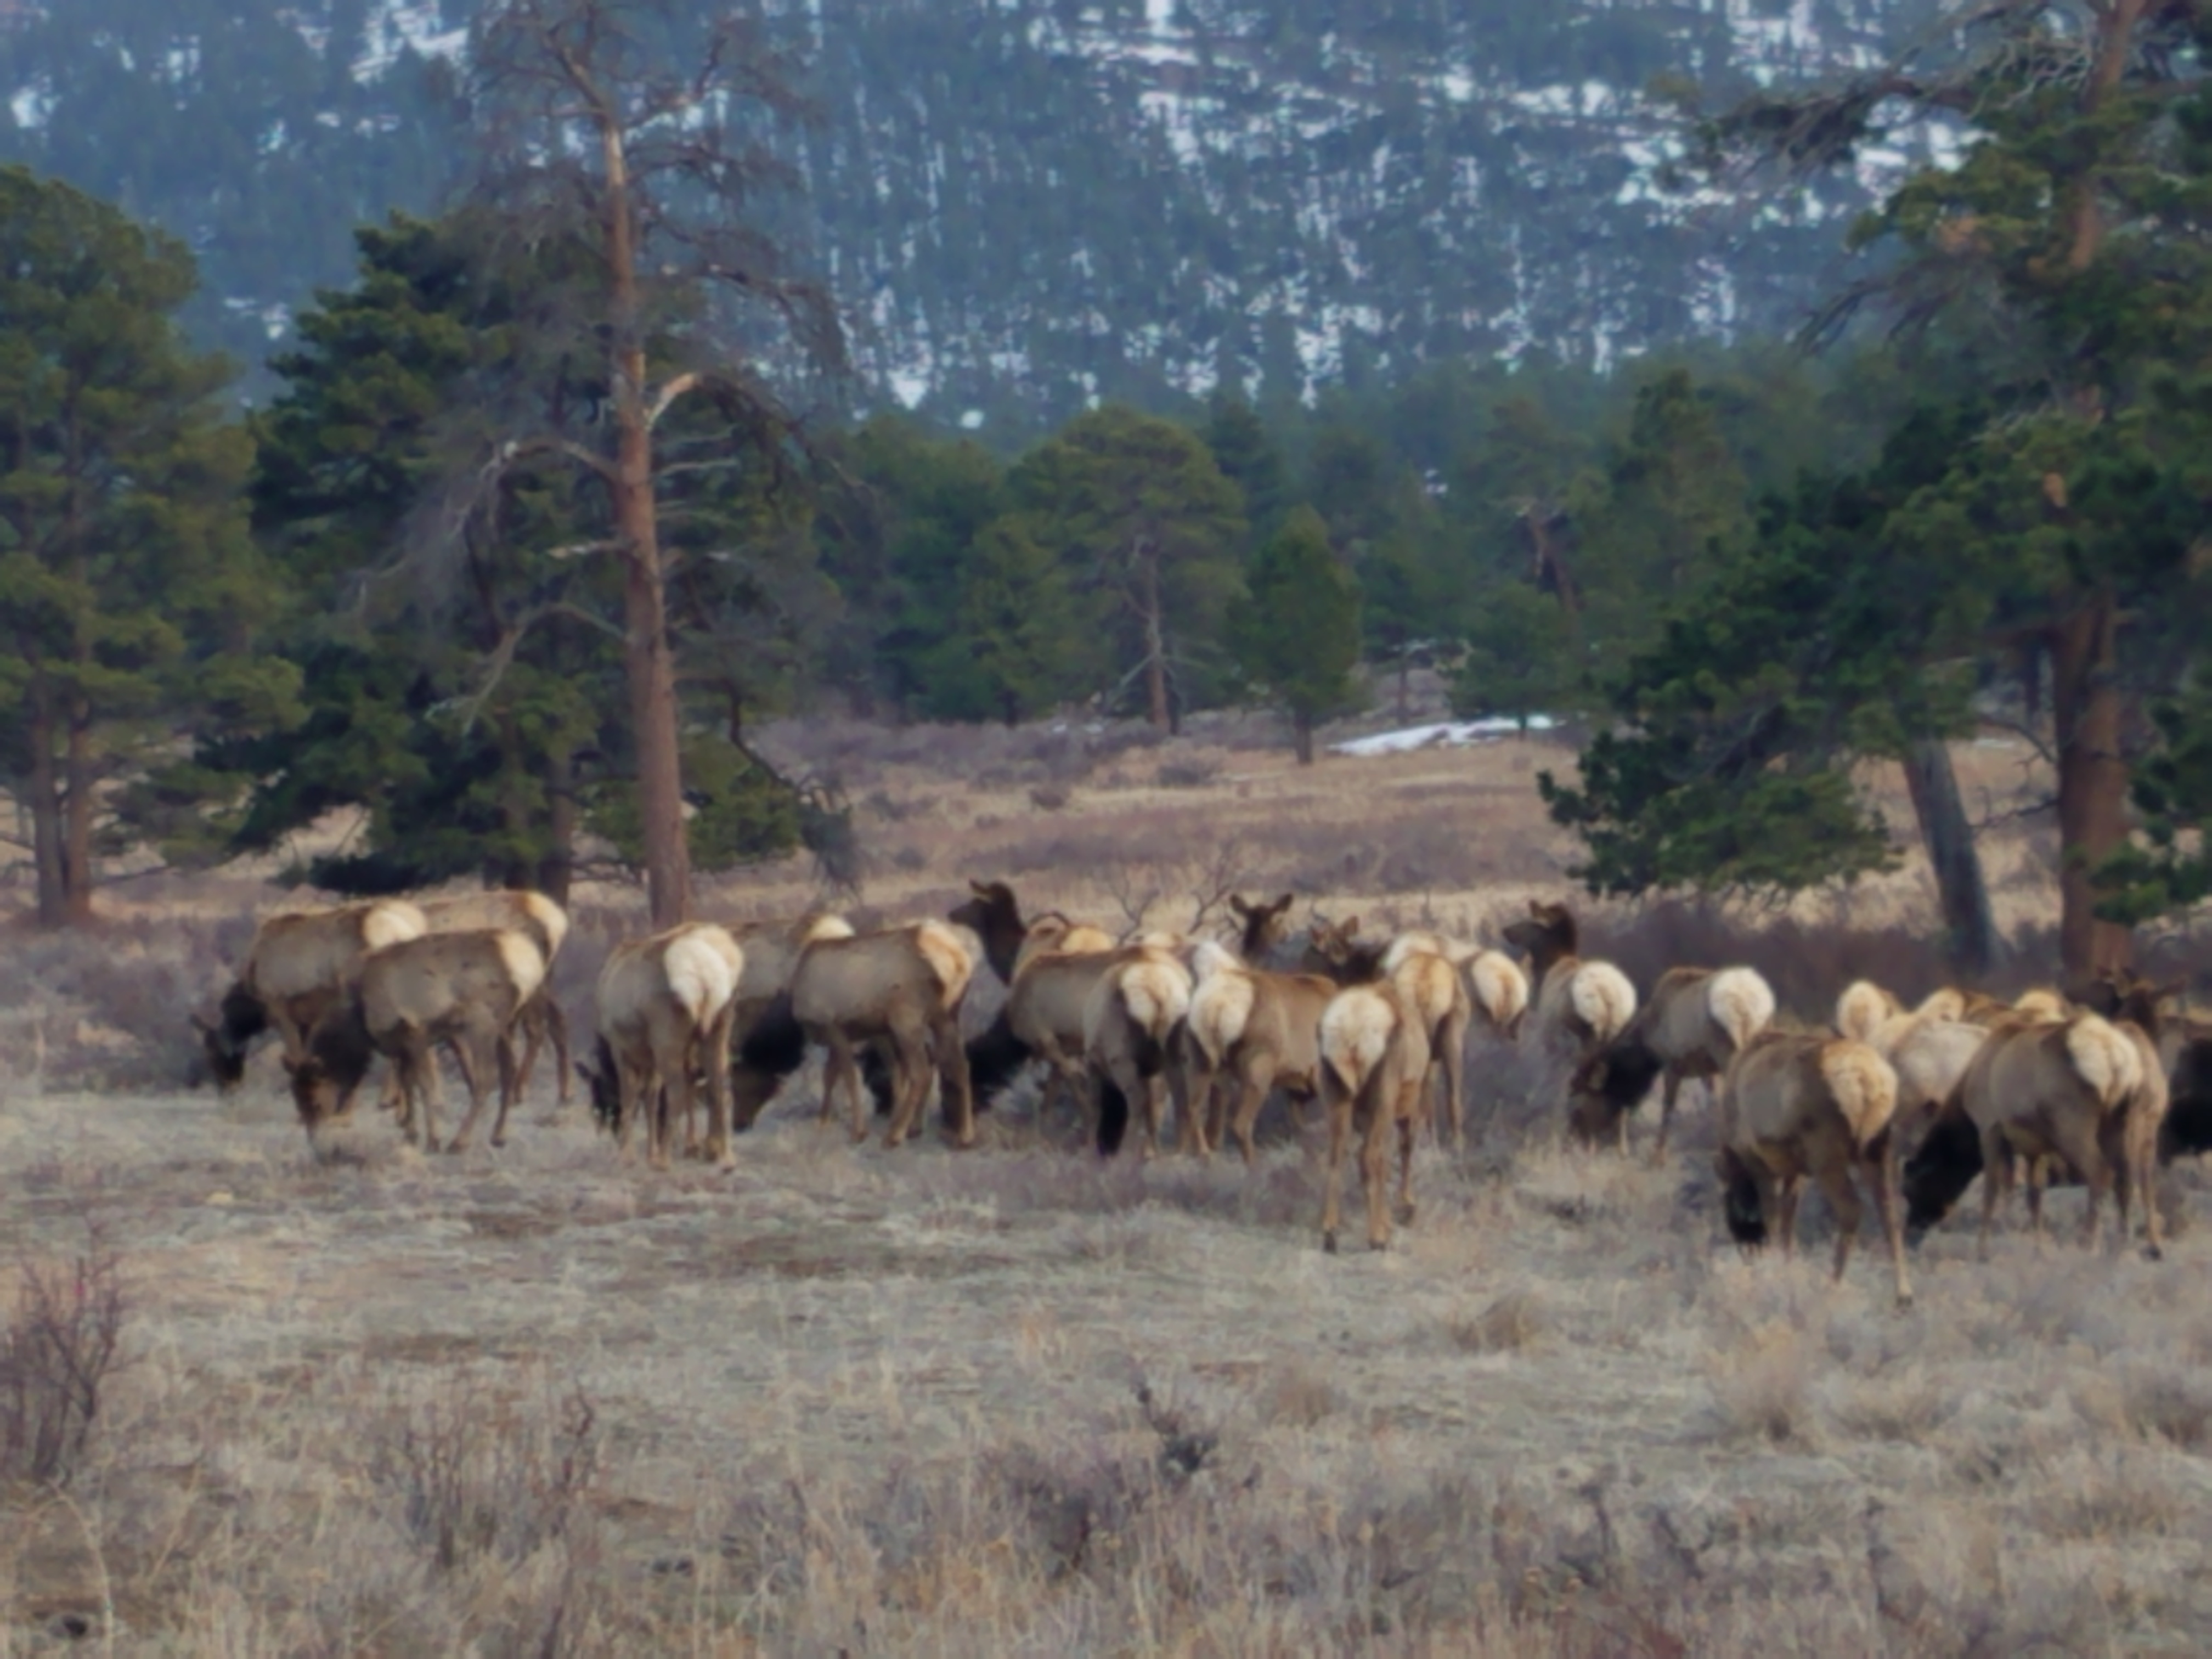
(629, 126)
(1297, 631)
(129, 591)
(2077, 218)
(1016, 647)
(1148, 529)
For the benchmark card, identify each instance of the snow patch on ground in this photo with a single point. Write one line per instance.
(1447, 734)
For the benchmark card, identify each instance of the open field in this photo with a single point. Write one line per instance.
(1013, 1400)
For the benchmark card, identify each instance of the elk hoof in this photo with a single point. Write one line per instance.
(2153, 1253)
(1405, 1213)
(456, 1146)
(1329, 1243)
(1378, 1243)
(498, 1141)
(1903, 1300)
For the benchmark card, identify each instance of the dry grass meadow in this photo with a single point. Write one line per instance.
(842, 1401)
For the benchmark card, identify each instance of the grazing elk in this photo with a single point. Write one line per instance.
(2085, 1095)
(903, 986)
(1580, 1005)
(1043, 1019)
(1374, 1061)
(1248, 1030)
(297, 968)
(545, 924)
(1130, 1021)
(1794, 1107)
(461, 989)
(1696, 1022)
(665, 1006)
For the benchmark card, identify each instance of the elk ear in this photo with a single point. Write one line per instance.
(980, 890)
(1282, 905)
(1536, 908)
(1237, 904)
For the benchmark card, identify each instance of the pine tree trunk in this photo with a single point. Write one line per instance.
(2092, 781)
(649, 663)
(1302, 725)
(1157, 710)
(1969, 928)
(45, 807)
(77, 806)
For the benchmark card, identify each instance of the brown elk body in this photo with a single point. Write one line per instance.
(461, 989)
(2079, 1091)
(1374, 1063)
(545, 924)
(1794, 1107)
(665, 1006)
(1132, 1019)
(299, 967)
(1249, 1031)
(1431, 986)
(1579, 1006)
(1695, 1022)
(902, 986)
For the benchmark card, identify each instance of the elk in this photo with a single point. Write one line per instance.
(462, 989)
(297, 968)
(1043, 1014)
(1261, 925)
(1131, 1018)
(1580, 1004)
(1429, 985)
(1697, 1020)
(993, 915)
(541, 920)
(2085, 1094)
(902, 986)
(1335, 950)
(1795, 1106)
(1374, 1061)
(665, 1004)
(1252, 1030)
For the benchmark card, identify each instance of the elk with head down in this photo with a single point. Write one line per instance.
(903, 987)
(665, 1004)
(1696, 1021)
(1374, 1061)
(299, 967)
(1798, 1106)
(545, 924)
(2085, 1095)
(464, 990)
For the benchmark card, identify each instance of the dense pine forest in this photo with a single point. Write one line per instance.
(485, 420)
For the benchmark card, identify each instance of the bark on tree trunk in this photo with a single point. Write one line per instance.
(1156, 711)
(2092, 781)
(77, 804)
(1969, 928)
(1302, 725)
(45, 806)
(649, 663)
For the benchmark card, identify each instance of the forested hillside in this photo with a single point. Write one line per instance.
(1025, 205)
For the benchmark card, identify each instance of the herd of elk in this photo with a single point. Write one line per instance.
(1908, 1104)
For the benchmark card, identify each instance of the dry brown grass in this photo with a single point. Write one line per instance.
(1019, 1401)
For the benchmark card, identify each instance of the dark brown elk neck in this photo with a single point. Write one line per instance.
(995, 918)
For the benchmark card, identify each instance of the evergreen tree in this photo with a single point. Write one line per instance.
(1015, 648)
(1248, 457)
(1148, 528)
(1519, 659)
(129, 593)
(1297, 631)
(2075, 224)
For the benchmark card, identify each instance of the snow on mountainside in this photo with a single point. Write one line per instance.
(1029, 205)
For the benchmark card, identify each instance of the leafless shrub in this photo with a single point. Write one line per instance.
(477, 1474)
(910, 860)
(56, 1353)
(1300, 1397)
(2174, 1406)
(1050, 797)
(1763, 1386)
